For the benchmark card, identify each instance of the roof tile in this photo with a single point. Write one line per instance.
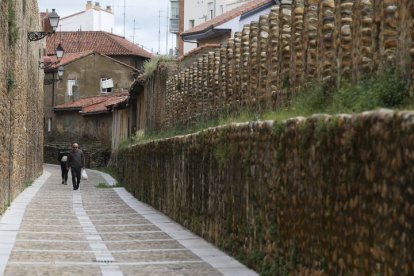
(93, 105)
(98, 41)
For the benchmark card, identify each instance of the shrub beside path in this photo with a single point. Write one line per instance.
(52, 230)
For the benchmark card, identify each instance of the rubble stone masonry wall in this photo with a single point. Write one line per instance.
(331, 193)
(299, 41)
(21, 98)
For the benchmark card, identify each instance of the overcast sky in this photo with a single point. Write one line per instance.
(145, 12)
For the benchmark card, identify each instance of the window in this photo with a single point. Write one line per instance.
(191, 23)
(49, 125)
(175, 15)
(210, 10)
(175, 9)
(221, 9)
(106, 85)
(71, 83)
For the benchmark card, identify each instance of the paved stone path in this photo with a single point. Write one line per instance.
(52, 230)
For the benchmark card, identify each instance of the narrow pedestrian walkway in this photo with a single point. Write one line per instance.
(50, 229)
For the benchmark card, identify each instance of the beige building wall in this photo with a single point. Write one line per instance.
(87, 73)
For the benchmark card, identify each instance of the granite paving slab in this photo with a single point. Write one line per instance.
(50, 269)
(55, 230)
(133, 245)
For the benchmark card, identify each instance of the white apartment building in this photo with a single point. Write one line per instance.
(200, 11)
(93, 18)
(197, 12)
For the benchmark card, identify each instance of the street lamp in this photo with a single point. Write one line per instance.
(59, 52)
(61, 70)
(54, 22)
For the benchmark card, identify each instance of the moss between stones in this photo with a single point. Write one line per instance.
(11, 23)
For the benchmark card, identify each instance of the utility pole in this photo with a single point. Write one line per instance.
(166, 34)
(124, 17)
(133, 33)
(159, 32)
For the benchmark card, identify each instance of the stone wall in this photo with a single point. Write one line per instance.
(155, 88)
(21, 99)
(322, 193)
(299, 41)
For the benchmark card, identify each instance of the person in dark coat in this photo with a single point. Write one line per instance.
(76, 162)
(63, 160)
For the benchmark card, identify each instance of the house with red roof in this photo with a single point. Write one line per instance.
(96, 63)
(93, 118)
(81, 104)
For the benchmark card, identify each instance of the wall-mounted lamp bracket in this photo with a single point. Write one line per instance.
(48, 65)
(35, 36)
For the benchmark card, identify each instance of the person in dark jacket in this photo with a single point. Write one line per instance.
(63, 160)
(76, 162)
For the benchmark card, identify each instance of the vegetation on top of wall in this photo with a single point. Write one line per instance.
(151, 65)
(383, 90)
(11, 23)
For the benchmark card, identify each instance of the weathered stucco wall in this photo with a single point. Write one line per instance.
(21, 99)
(300, 41)
(322, 193)
(71, 126)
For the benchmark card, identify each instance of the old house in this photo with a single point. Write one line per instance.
(88, 74)
(80, 104)
(96, 64)
(92, 118)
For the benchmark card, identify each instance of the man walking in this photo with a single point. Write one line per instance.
(76, 162)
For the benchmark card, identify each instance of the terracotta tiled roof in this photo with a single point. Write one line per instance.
(198, 49)
(98, 41)
(67, 58)
(94, 105)
(225, 17)
(71, 57)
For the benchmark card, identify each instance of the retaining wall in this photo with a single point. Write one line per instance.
(332, 194)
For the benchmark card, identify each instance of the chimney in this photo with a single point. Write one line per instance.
(97, 6)
(88, 5)
(109, 9)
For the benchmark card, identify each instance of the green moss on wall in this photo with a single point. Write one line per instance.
(13, 29)
(277, 196)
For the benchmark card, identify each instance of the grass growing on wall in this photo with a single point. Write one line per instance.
(383, 90)
(151, 65)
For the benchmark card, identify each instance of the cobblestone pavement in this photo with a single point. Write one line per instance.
(50, 229)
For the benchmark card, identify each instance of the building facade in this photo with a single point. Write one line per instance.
(193, 13)
(87, 75)
(93, 18)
